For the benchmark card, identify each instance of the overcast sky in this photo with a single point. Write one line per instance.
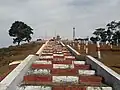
(48, 17)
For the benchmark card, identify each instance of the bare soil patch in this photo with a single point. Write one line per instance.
(14, 53)
(109, 56)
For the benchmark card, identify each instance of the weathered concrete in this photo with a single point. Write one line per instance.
(36, 88)
(62, 44)
(110, 77)
(63, 79)
(86, 72)
(98, 88)
(75, 53)
(14, 79)
(39, 52)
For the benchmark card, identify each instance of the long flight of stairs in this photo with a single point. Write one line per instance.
(58, 69)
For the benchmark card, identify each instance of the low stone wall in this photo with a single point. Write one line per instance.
(77, 54)
(110, 77)
(13, 79)
(39, 52)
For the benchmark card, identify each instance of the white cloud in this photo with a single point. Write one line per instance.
(50, 16)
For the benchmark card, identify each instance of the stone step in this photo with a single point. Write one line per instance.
(99, 88)
(42, 62)
(82, 67)
(90, 80)
(79, 62)
(41, 66)
(63, 88)
(63, 66)
(86, 72)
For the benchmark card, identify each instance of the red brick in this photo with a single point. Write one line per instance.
(83, 67)
(64, 71)
(78, 88)
(90, 80)
(63, 62)
(58, 88)
(42, 66)
(36, 78)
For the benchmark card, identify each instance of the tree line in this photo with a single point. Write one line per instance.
(110, 34)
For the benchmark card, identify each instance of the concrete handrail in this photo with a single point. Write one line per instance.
(110, 77)
(13, 79)
(39, 52)
(73, 50)
(104, 67)
(62, 44)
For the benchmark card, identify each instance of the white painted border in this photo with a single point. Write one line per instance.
(39, 52)
(73, 50)
(62, 44)
(113, 73)
(12, 80)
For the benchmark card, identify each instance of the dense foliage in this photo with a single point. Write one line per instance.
(111, 34)
(21, 32)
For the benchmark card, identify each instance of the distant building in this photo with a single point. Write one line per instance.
(58, 37)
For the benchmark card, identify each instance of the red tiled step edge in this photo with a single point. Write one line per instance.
(37, 78)
(50, 59)
(42, 66)
(62, 62)
(67, 58)
(47, 54)
(64, 71)
(68, 88)
(91, 80)
(57, 57)
(67, 54)
(82, 67)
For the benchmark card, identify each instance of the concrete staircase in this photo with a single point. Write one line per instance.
(57, 69)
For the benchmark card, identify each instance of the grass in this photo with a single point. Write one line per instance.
(14, 53)
(110, 57)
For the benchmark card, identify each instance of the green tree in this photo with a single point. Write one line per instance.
(99, 34)
(112, 34)
(103, 36)
(94, 39)
(21, 32)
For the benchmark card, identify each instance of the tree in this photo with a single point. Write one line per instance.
(94, 39)
(103, 36)
(117, 33)
(21, 32)
(111, 34)
(110, 31)
(100, 35)
(98, 32)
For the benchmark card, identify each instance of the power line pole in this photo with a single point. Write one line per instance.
(73, 33)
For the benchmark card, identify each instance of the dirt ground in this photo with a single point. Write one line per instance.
(109, 56)
(14, 53)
